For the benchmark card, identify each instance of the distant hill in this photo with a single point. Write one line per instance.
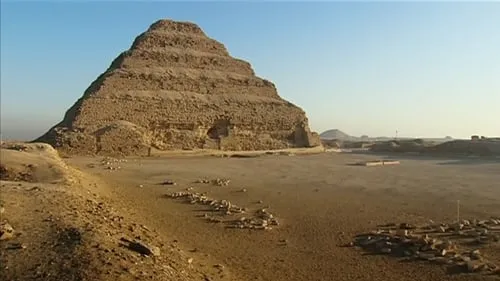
(337, 135)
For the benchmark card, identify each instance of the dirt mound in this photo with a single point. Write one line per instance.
(34, 148)
(467, 147)
(35, 162)
(416, 145)
(456, 147)
(176, 88)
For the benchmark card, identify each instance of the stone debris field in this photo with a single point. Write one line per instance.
(455, 245)
(241, 218)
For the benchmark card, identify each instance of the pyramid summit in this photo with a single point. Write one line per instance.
(176, 88)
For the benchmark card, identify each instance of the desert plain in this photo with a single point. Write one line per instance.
(321, 201)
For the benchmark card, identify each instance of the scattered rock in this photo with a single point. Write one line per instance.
(221, 182)
(223, 206)
(349, 244)
(475, 255)
(262, 220)
(418, 243)
(202, 181)
(214, 220)
(217, 181)
(406, 226)
(35, 188)
(15, 246)
(168, 182)
(6, 231)
(219, 266)
(141, 247)
(402, 232)
(474, 266)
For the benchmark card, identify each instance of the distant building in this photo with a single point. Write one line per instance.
(474, 137)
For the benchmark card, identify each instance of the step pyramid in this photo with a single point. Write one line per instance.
(176, 88)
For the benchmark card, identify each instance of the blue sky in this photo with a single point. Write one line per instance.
(425, 69)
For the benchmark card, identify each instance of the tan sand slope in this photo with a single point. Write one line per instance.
(35, 162)
(62, 226)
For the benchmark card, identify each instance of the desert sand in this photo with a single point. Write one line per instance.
(77, 219)
(321, 202)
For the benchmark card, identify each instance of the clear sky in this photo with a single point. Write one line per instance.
(425, 69)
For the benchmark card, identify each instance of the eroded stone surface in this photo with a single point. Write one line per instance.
(176, 88)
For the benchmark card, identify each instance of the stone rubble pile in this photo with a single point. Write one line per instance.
(217, 181)
(222, 206)
(221, 182)
(433, 243)
(262, 219)
(109, 160)
(111, 163)
(202, 181)
(6, 231)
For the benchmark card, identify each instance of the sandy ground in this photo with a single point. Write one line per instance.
(57, 223)
(320, 200)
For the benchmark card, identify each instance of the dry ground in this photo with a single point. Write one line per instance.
(65, 227)
(320, 200)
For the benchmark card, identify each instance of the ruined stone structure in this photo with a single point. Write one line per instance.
(176, 88)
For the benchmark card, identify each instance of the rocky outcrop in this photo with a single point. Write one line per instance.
(176, 88)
